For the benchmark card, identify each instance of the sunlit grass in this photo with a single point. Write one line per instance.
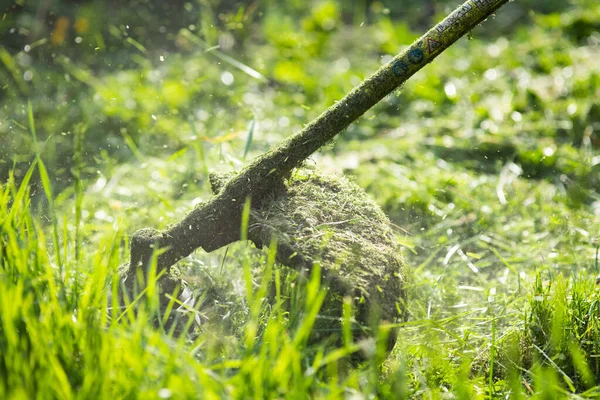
(487, 161)
(59, 339)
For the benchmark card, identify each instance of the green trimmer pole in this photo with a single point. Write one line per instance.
(216, 223)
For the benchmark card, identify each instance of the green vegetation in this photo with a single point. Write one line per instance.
(327, 220)
(487, 162)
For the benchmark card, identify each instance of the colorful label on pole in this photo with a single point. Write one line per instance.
(433, 45)
(416, 55)
(484, 4)
(454, 17)
(465, 17)
(399, 68)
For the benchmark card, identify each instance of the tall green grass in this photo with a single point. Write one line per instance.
(556, 345)
(58, 339)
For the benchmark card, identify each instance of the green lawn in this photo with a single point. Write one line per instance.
(487, 162)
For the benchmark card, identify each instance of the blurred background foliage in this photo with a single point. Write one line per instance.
(153, 75)
(119, 88)
(487, 160)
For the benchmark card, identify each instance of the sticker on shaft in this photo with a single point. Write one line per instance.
(416, 55)
(454, 17)
(399, 68)
(484, 4)
(433, 45)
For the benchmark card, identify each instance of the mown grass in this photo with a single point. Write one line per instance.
(61, 339)
(488, 162)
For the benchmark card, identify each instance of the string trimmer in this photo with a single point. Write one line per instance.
(313, 218)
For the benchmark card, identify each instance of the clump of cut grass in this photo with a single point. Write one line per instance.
(328, 220)
(314, 219)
